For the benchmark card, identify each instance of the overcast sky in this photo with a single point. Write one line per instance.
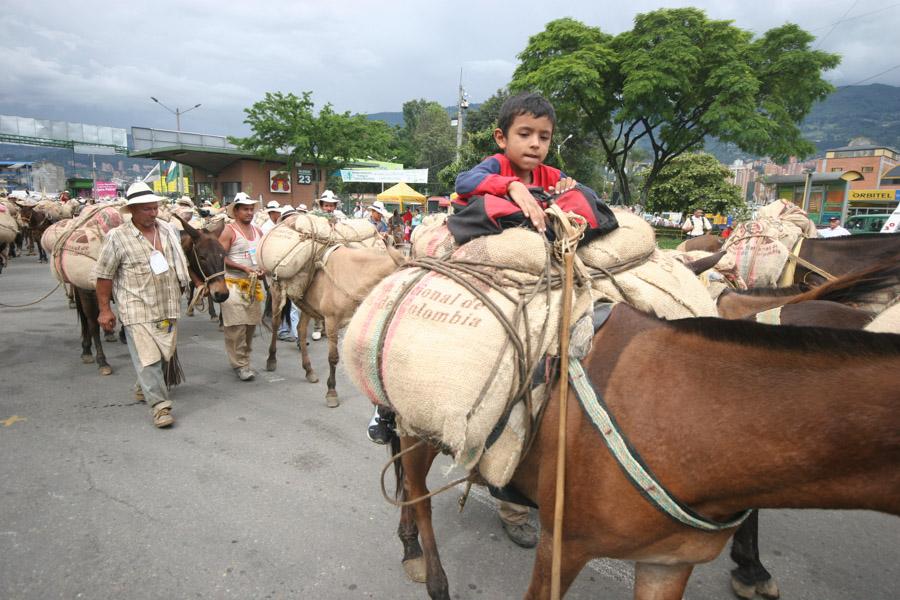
(99, 62)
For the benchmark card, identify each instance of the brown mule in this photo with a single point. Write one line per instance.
(334, 293)
(847, 458)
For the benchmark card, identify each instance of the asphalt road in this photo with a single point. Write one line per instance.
(260, 491)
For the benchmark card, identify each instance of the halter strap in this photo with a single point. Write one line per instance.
(206, 278)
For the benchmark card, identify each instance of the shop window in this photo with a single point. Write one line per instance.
(867, 169)
(837, 169)
(229, 190)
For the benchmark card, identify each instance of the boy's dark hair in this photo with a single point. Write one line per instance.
(526, 103)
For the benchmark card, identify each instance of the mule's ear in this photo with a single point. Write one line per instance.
(187, 227)
(187, 240)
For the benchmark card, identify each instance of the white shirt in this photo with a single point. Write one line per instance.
(699, 225)
(268, 226)
(828, 232)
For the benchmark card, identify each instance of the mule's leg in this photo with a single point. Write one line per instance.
(570, 567)
(302, 329)
(660, 582)
(191, 291)
(92, 311)
(272, 361)
(416, 465)
(413, 559)
(331, 396)
(750, 577)
(86, 356)
(70, 292)
(211, 308)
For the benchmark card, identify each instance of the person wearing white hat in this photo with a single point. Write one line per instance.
(142, 264)
(273, 209)
(328, 206)
(242, 312)
(378, 216)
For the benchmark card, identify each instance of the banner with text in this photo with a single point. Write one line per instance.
(104, 189)
(384, 175)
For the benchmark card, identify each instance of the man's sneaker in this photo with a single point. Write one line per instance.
(244, 373)
(380, 430)
(523, 534)
(317, 335)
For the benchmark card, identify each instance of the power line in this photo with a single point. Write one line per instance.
(860, 16)
(838, 22)
(876, 75)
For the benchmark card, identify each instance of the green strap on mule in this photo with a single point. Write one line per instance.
(630, 461)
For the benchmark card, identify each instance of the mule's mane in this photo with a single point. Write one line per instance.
(821, 340)
(791, 290)
(855, 286)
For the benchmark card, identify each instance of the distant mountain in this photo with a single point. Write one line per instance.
(870, 111)
(396, 118)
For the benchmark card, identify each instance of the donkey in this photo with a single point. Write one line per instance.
(206, 266)
(847, 457)
(334, 293)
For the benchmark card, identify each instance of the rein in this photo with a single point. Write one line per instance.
(202, 290)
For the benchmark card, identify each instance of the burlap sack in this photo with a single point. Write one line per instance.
(760, 249)
(8, 226)
(887, 321)
(784, 210)
(293, 244)
(77, 248)
(716, 280)
(432, 239)
(631, 241)
(50, 208)
(661, 286)
(441, 359)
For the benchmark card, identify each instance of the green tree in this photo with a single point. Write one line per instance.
(675, 79)
(285, 128)
(695, 180)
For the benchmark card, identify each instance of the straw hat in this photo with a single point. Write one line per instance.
(243, 198)
(272, 206)
(140, 193)
(302, 208)
(378, 206)
(185, 201)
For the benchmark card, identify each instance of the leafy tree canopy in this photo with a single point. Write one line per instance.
(285, 126)
(676, 78)
(695, 180)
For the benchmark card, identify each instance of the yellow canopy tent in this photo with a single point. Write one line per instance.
(401, 194)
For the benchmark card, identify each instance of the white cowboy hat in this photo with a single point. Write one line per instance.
(243, 198)
(302, 208)
(328, 196)
(378, 206)
(287, 209)
(272, 206)
(140, 193)
(18, 194)
(185, 201)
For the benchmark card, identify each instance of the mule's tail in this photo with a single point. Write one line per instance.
(172, 372)
(398, 466)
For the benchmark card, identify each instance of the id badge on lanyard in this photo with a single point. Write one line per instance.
(252, 254)
(158, 263)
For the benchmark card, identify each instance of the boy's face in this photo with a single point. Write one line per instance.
(527, 142)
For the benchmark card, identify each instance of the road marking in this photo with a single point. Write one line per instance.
(13, 419)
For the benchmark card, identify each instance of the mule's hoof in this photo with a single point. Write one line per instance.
(87, 359)
(331, 399)
(415, 569)
(742, 590)
(768, 589)
(111, 337)
(190, 313)
(213, 318)
(106, 370)
(313, 378)
(271, 364)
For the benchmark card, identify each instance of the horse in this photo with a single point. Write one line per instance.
(854, 289)
(206, 266)
(848, 458)
(333, 295)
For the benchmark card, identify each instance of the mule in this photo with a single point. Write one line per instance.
(854, 288)
(706, 242)
(37, 223)
(842, 255)
(848, 457)
(333, 295)
(206, 266)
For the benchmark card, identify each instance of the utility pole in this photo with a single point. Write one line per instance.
(177, 112)
(462, 103)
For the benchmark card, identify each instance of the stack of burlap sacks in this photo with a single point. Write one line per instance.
(759, 249)
(74, 244)
(290, 250)
(431, 349)
(9, 227)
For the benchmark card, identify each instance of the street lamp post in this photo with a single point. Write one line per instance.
(177, 112)
(559, 147)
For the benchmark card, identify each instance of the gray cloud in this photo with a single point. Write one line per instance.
(100, 62)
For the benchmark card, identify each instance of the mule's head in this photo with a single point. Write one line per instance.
(206, 260)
